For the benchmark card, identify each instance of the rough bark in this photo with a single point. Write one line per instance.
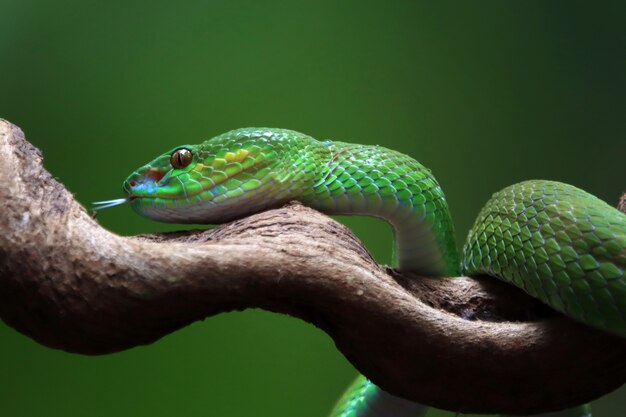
(472, 345)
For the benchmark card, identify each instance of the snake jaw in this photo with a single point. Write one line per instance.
(145, 183)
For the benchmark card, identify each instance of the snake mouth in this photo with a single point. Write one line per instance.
(216, 181)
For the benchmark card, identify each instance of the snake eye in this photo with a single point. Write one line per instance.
(181, 158)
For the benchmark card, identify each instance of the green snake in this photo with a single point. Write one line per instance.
(558, 243)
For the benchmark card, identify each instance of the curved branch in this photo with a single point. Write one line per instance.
(472, 345)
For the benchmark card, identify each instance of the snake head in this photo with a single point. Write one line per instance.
(223, 178)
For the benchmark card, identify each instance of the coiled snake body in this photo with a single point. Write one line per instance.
(555, 241)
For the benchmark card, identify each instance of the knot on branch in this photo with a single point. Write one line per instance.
(472, 345)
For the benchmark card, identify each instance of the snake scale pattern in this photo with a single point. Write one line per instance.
(558, 243)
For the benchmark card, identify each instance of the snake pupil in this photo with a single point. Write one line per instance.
(181, 158)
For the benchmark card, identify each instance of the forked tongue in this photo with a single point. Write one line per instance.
(99, 205)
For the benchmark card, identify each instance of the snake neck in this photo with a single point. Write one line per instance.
(375, 181)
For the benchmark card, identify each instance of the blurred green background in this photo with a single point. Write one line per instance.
(484, 93)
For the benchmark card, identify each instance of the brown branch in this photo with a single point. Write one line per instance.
(472, 345)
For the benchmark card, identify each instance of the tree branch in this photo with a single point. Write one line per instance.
(472, 345)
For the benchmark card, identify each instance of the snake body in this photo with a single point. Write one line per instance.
(555, 241)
